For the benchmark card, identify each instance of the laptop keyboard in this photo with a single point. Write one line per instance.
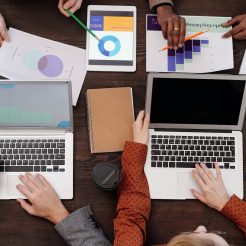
(169, 151)
(32, 155)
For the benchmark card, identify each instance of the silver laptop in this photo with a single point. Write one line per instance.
(194, 118)
(36, 134)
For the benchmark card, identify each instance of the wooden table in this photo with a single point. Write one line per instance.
(168, 218)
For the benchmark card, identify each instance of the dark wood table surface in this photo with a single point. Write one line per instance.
(168, 218)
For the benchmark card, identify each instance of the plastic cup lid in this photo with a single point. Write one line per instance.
(106, 176)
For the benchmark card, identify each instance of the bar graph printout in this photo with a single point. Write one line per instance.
(205, 53)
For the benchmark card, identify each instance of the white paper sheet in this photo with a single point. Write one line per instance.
(214, 54)
(243, 65)
(31, 57)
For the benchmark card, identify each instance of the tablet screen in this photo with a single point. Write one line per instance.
(115, 29)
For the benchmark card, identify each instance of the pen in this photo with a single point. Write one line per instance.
(188, 38)
(82, 24)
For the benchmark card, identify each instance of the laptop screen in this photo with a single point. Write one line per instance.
(35, 104)
(196, 101)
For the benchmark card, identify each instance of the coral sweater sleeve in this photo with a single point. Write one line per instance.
(235, 209)
(134, 204)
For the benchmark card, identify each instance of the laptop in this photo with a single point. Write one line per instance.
(36, 134)
(193, 119)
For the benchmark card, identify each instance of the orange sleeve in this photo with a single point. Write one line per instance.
(133, 206)
(235, 209)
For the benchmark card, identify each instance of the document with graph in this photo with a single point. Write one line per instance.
(31, 57)
(206, 53)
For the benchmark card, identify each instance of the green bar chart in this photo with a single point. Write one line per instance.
(16, 115)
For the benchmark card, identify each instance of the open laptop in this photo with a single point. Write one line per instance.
(193, 119)
(36, 134)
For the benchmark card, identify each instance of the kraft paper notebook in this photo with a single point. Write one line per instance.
(110, 118)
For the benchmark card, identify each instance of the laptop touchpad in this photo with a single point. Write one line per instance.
(2, 184)
(12, 181)
(185, 184)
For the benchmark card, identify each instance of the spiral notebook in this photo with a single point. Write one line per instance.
(110, 118)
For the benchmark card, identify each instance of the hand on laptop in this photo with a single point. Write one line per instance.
(239, 29)
(72, 5)
(173, 26)
(44, 200)
(3, 31)
(141, 128)
(213, 191)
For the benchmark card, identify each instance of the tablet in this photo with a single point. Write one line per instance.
(115, 26)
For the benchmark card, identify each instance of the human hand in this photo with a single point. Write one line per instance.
(141, 129)
(239, 30)
(3, 31)
(72, 5)
(173, 26)
(44, 200)
(213, 191)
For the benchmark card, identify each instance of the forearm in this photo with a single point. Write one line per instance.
(134, 199)
(154, 3)
(81, 228)
(235, 209)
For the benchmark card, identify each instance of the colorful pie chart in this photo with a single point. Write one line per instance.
(107, 41)
(49, 65)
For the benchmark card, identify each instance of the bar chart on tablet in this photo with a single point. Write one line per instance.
(205, 53)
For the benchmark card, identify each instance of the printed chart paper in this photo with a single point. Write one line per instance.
(31, 57)
(208, 52)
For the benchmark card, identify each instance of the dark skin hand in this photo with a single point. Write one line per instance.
(173, 26)
(239, 27)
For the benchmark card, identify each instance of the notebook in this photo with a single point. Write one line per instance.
(110, 118)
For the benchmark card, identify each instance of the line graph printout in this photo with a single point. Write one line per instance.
(31, 57)
(208, 52)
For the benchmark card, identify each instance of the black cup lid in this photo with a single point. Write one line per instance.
(106, 176)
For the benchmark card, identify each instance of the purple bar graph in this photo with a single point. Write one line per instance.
(184, 54)
(171, 60)
(188, 49)
(180, 56)
(196, 45)
(205, 41)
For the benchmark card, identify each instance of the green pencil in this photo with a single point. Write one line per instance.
(82, 24)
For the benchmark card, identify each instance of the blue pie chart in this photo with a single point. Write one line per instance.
(109, 38)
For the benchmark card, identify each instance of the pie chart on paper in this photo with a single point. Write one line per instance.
(49, 65)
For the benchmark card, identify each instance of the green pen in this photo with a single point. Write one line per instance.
(82, 24)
